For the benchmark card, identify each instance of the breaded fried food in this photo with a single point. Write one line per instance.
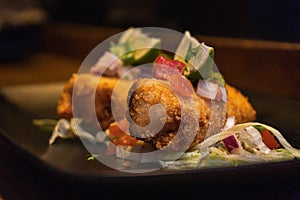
(85, 93)
(239, 106)
(145, 93)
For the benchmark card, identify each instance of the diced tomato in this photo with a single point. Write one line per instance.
(125, 139)
(115, 130)
(269, 139)
(174, 64)
(124, 124)
(119, 137)
(172, 71)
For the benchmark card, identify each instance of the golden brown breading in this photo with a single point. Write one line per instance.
(239, 106)
(151, 93)
(84, 92)
(148, 92)
(64, 107)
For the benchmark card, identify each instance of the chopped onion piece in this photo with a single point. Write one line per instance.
(136, 72)
(128, 72)
(62, 129)
(232, 144)
(230, 122)
(100, 137)
(256, 156)
(107, 64)
(123, 151)
(79, 131)
(211, 91)
(207, 89)
(121, 71)
(224, 94)
(256, 136)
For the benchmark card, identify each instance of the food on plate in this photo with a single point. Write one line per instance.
(180, 93)
(241, 144)
(102, 97)
(149, 92)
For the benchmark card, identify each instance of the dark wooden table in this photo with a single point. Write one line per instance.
(264, 66)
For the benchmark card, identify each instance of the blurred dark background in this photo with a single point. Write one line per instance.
(21, 20)
(277, 20)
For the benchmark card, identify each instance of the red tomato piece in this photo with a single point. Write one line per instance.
(269, 139)
(172, 71)
(119, 137)
(174, 64)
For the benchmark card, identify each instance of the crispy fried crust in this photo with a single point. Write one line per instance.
(239, 106)
(148, 92)
(142, 97)
(84, 92)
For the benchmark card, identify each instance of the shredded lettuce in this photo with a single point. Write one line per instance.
(211, 153)
(188, 160)
(45, 124)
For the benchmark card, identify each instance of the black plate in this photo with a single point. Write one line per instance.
(66, 158)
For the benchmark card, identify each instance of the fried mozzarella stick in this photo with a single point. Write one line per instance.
(145, 93)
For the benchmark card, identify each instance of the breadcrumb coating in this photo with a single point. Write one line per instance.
(84, 92)
(143, 94)
(148, 92)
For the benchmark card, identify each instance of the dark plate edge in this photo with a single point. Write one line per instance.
(292, 167)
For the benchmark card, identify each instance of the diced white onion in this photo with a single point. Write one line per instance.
(79, 131)
(107, 64)
(100, 137)
(121, 71)
(62, 129)
(255, 134)
(207, 89)
(224, 94)
(123, 152)
(230, 122)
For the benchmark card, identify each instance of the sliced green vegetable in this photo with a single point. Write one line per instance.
(260, 128)
(91, 156)
(135, 47)
(45, 124)
(199, 59)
